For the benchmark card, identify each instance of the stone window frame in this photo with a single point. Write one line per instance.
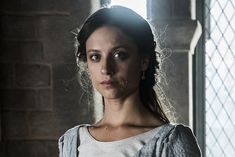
(199, 79)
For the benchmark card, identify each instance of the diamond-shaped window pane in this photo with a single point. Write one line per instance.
(220, 78)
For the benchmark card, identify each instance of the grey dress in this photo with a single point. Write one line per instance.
(169, 141)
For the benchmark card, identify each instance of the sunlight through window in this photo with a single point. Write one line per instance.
(220, 78)
(138, 6)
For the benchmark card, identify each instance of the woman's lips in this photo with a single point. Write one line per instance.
(107, 83)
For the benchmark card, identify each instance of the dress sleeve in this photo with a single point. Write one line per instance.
(181, 143)
(60, 145)
(67, 143)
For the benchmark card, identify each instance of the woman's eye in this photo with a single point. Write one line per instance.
(94, 57)
(120, 55)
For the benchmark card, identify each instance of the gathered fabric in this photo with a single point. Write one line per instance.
(169, 140)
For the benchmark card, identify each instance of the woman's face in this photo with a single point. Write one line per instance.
(114, 64)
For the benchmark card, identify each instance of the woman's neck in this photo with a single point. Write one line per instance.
(128, 111)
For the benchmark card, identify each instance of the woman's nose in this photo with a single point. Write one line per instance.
(107, 67)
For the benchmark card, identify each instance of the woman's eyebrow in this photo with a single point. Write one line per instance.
(120, 46)
(93, 50)
(112, 49)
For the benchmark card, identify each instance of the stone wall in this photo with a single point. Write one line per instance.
(180, 34)
(40, 96)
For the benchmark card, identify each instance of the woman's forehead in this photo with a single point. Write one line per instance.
(111, 33)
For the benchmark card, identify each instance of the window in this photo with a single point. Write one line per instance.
(217, 48)
(138, 6)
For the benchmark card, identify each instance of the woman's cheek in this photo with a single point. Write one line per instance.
(123, 82)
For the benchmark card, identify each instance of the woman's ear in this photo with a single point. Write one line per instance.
(144, 63)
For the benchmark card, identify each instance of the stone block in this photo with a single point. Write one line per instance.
(17, 99)
(44, 5)
(18, 27)
(66, 86)
(32, 125)
(33, 75)
(65, 71)
(56, 32)
(53, 30)
(45, 125)
(32, 148)
(26, 100)
(179, 35)
(6, 75)
(21, 51)
(3, 149)
(9, 5)
(181, 9)
(15, 125)
(57, 37)
(177, 86)
(71, 103)
(34, 5)
(45, 99)
(160, 9)
(170, 9)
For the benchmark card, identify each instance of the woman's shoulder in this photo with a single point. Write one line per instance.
(71, 133)
(173, 131)
(172, 140)
(181, 134)
(181, 140)
(67, 143)
(177, 130)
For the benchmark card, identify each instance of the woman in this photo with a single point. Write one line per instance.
(118, 48)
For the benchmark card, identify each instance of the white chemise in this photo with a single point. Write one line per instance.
(90, 147)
